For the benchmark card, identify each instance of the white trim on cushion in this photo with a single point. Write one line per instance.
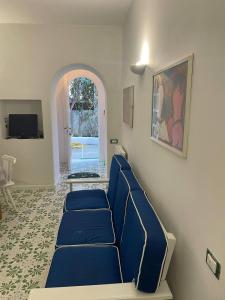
(88, 209)
(120, 163)
(126, 178)
(107, 200)
(125, 209)
(124, 217)
(113, 228)
(118, 255)
(117, 161)
(141, 188)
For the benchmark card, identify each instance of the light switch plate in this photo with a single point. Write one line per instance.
(114, 141)
(213, 263)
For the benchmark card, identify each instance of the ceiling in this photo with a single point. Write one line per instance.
(83, 12)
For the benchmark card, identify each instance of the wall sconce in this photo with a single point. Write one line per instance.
(138, 68)
(140, 65)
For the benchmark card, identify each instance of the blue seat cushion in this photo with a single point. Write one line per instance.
(118, 163)
(84, 265)
(144, 234)
(126, 183)
(86, 227)
(86, 199)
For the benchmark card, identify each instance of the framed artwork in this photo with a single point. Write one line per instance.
(128, 105)
(171, 98)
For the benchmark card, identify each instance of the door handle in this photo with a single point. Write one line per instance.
(68, 130)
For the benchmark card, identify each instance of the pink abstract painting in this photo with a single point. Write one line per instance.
(169, 105)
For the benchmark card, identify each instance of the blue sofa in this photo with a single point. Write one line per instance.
(98, 226)
(119, 243)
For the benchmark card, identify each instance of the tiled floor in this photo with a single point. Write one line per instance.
(27, 239)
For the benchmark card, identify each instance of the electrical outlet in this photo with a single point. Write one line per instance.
(213, 264)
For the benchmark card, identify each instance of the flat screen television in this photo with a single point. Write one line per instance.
(23, 126)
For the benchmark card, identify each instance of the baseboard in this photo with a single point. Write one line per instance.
(51, 187)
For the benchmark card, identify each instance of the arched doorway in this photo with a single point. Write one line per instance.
(64, 127)
(83, 126)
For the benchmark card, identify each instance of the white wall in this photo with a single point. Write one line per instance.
(30, 56)
(188, 194)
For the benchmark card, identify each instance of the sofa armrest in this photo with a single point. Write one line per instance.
(171, 245)
(118, 291)
(86, 180)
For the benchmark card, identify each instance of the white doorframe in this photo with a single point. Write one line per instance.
(63, 106)
(67, 124)
(62, 117)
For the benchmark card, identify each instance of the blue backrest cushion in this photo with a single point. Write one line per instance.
(143, 246)
(118, 163)
(126, 183)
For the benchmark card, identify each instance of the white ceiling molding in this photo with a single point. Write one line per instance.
(80, 12)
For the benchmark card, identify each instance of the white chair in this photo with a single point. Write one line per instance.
(7, 164)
